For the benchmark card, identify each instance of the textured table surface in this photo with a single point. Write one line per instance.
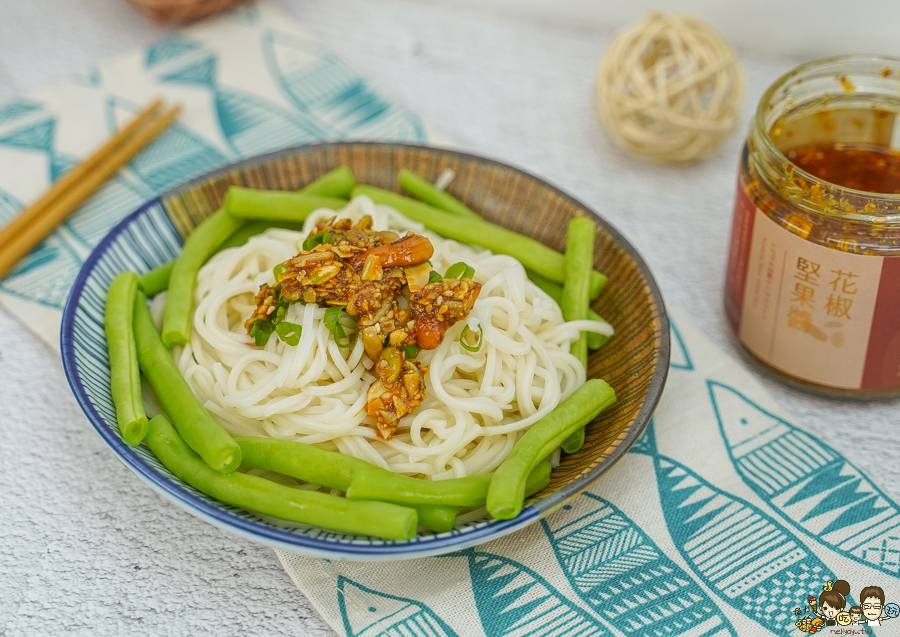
(87, 549)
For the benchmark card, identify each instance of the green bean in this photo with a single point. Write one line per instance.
(424, 190)
(507, 489)
(124, 372)
(298, 460)
(373, 483)
(574, 442)
(276, 205)
(327, 468)
(335, 183)
(328, 191)
(380, 519)
(596, 340)
(554, 291)
(202, 434)
(199, 246)
(156, 280)
(575, 304)
(531, 253)
(439, 518)
(552, 288)
(579, 260)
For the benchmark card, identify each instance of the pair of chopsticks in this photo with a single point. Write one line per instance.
(71, 190)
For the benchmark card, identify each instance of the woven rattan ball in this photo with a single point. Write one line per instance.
(669, 88)
(181, 11)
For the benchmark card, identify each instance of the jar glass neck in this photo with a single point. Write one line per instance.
(850, 99)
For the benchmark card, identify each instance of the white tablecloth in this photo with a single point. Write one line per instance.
(87, 549)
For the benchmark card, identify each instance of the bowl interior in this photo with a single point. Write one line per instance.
(635, 361)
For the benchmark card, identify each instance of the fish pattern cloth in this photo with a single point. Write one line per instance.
(725, 538)
(249, 83)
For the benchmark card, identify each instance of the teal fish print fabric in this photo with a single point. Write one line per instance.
(249, 83)
(723, 519)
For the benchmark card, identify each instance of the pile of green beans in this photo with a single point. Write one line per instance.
(379, 503)
(226, 227)
(157, 280)
(531, 253)
(360, 517)
(202, 434)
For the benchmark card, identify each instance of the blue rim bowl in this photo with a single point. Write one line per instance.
(152, 235)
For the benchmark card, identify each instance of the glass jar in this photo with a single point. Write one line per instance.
(813, 283)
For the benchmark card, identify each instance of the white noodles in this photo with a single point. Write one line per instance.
(477, 403)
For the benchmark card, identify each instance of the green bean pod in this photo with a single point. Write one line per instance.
(533, 254)
(439, 518)
(276, 205)
(595, 340)
(424, 190)
(579, 261)
(124, 371)
(305, 462)
(575, 301)
(329, 469)
(202, 434)
(574, 442)
(380, 519)
(156, 280)
(554, 291)
(336, 183)
(372, 483)
(201, 244)
(506, 492)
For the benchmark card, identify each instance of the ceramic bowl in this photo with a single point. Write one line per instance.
(634, 362)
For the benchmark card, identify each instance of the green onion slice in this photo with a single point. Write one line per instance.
(289, 332)
(460, 271)
(411, 351)
(277, 270)
(338, 322)
(471, 348)
(434, 277)
(261, 331)
(318, 239)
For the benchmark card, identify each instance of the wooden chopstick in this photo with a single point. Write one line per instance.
(71, 190)
(26, 217)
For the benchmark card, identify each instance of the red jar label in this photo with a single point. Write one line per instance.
(819, 314)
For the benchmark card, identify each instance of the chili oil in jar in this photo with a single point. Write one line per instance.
(813, 283)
